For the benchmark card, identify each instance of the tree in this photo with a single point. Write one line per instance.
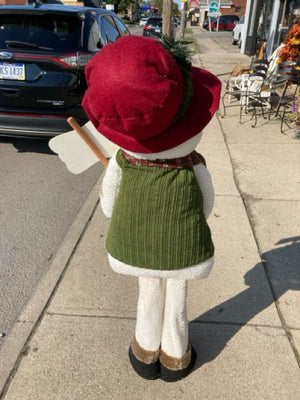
(159, 4)
(122, 5)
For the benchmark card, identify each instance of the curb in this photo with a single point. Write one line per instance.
(14, 347)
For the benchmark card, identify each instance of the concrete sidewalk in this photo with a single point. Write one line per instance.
(245, 318)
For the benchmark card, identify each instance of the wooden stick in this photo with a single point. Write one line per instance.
(83, 134)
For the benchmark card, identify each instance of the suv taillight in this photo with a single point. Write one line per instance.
(79, 59)
(74, 60)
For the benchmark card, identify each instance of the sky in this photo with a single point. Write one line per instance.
(178, 2)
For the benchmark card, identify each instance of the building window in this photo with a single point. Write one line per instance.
(238, 9)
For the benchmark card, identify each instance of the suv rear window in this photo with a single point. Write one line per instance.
(154, 21)
(53, 32)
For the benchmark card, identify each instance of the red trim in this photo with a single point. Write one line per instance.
(187, 161)
(55, 59)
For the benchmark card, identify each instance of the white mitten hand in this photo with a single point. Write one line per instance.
(75, 152)
(204, 179)
(110, 186)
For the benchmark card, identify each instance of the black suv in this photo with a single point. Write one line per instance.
(43, 52)
(153, 27)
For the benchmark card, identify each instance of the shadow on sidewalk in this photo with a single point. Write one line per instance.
(222, 322)
(29, 145)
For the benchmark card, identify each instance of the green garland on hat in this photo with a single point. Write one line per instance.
(183, 56)
(179, 50)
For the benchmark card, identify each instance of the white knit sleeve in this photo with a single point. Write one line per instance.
(204, 179)
(110, 186)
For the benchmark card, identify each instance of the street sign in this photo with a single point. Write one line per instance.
(214, 6)
(214, 14)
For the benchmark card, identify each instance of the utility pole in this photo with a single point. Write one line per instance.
(167, 19)
(183, 17)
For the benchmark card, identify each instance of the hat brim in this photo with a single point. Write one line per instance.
(204, 104)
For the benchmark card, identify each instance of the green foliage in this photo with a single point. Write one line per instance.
(122, 5)
(159, 4)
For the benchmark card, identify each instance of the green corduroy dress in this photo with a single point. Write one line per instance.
(158, 221)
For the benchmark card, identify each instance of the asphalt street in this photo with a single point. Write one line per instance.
(39, 201)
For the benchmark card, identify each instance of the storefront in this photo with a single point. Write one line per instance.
(267, 21)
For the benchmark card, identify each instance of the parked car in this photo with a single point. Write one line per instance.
(43, 52)
(232, 18)
(205, 24)
(153, 27)
(237, 32)
(143, 21)
(226, 23)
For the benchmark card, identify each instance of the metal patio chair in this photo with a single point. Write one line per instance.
(258, 90)
(289, 74)
(247, 86)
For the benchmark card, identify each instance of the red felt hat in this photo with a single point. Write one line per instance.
(135, 93)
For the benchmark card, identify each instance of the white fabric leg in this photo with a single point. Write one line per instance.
(150, 312)
(174, 340)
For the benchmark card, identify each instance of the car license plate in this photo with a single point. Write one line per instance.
(157, 30)
(15, 71)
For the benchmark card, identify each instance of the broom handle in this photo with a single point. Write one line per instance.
(83, 134)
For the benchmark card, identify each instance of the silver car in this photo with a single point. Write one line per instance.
(143, 21)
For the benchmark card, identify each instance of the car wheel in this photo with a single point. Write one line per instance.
(233, 41)
(240, 42)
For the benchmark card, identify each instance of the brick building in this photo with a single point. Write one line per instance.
(12, 2)
(227, 7)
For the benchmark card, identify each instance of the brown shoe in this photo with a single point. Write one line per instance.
(144, 362)
(173, 369)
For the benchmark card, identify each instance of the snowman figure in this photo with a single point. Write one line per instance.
(145, 97)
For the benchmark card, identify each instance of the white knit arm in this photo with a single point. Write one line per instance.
(110, 186)
(204, 179)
